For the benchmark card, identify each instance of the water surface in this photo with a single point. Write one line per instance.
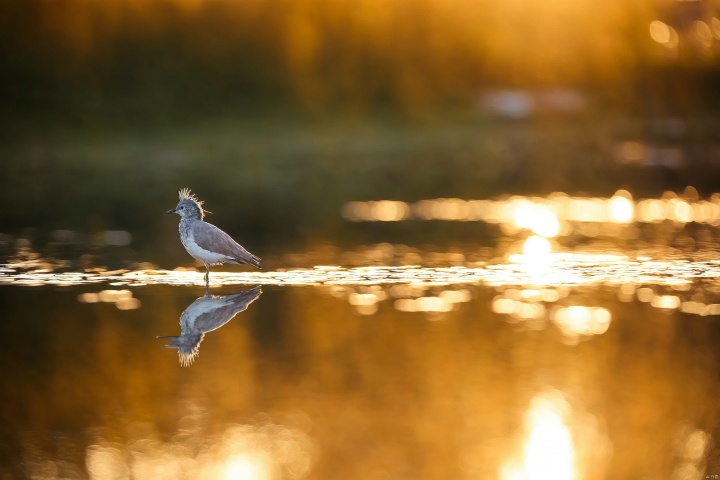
(543, 357)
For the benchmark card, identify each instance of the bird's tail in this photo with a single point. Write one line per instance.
(250, 259)
(255, 261)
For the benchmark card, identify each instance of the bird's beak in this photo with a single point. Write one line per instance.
(172, 210)
(172, 338)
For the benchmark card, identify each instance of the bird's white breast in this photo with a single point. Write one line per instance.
(198, 308)
(205, 256)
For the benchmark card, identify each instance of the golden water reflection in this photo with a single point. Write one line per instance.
(544, 356)
(306, 384)
(123, 299)
(553, 270)
(533, 287)
(560, 441)
(264, 451)
(548, 452)
(548, 216)
(205, 314)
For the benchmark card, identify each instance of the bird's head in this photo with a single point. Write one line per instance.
(189, 206)
(188, 347)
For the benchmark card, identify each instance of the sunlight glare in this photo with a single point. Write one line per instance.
(545, 223)
(390, 211)
(536, 247)
(549, 452)
(553, 215)
(241, 467)
(580, 320)
(665, 302)
(622, 209)
(536, 217)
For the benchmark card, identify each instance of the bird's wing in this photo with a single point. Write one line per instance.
(211, 238)
(209, 313)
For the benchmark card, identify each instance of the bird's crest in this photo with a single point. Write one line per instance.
(188, 347)
(185, 194)
(187, 359)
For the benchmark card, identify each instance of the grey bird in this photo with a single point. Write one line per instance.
(206, 314)
(205, 241)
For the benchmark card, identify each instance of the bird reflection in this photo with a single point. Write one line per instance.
(206, 314)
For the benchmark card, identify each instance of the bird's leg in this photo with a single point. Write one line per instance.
(207, 276)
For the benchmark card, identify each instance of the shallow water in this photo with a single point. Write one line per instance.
(384, 362)
(552, 270)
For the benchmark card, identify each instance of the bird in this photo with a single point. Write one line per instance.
(206, 314)
(206, 242)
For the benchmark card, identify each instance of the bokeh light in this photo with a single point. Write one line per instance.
(548, 452)
(536, 248)
(243, 467)
(546, 216)
(578, 320)
(663, 33)
(122, 299)
(241, 452)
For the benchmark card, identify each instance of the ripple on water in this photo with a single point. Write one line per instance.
(558, 270)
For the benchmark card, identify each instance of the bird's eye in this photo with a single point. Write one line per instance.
(182, 208)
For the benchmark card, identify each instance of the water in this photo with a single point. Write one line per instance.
(544, 355)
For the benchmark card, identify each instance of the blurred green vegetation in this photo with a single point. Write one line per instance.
(160, 61)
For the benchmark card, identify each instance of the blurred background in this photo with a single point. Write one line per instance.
(278, 112)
